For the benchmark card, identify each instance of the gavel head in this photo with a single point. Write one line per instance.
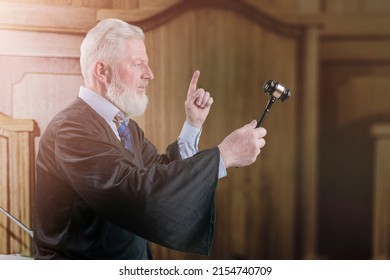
(276, 90)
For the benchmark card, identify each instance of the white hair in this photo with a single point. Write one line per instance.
(105, 42)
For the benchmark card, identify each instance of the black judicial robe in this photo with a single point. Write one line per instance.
(96, 200)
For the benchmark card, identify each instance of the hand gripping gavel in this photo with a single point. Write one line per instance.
(276, 91)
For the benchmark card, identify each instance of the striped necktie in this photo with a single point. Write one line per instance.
(124, 132)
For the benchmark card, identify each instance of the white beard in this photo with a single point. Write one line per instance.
(128, 101)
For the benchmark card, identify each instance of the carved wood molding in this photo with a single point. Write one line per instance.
(78, 20)
(150, 19)
(46, 18)
(39, 44)
(21, 125)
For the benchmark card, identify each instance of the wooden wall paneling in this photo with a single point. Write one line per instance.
(38, 87)
(30, 51)
(341, 25)
(39, 44)
(18, 188)
(20, 193)
(290, 6)
(362, 97)
(151, 17)
(42, 95)
(355, 61)
(368, 25)
(357, 49)
(4, 169)
(309, 160)
(353, 99)
(381, 217)
(125, 4)
(296, 6)
(356, 7)
(115, 4)
(46, 18)
(66, 3)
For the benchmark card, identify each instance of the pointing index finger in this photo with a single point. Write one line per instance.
(193, 83)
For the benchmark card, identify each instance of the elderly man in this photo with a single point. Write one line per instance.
(103, 191)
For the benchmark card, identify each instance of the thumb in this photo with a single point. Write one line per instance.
(253, 124)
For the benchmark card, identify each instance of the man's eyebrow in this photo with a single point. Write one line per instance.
(140, 59)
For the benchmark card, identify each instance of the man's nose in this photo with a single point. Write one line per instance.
(148, 74)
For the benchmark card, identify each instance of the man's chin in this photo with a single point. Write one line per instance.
(141, 93)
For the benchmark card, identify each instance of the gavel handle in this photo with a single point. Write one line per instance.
(266, 110)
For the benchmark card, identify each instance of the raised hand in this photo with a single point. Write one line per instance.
(198, 103)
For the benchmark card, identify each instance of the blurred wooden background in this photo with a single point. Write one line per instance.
(310, 195)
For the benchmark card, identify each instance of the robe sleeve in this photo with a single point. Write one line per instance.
(169, 202)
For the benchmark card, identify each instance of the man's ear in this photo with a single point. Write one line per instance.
(102, 72)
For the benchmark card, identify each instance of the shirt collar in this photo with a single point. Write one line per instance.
(101, 105)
